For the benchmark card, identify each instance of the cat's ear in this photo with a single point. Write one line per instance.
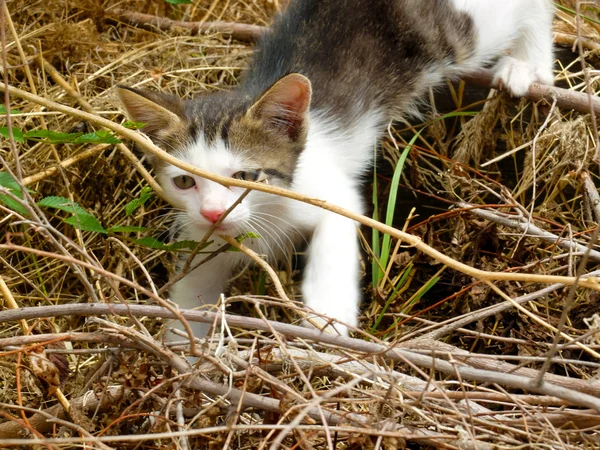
(160, 112)
(283, 108)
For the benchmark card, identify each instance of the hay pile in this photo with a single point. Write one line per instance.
(468, 354)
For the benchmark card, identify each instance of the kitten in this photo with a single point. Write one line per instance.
(325, 81)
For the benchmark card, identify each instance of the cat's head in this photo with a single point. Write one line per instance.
(230, 134)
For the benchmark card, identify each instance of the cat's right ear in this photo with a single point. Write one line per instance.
(283, 108)
(160, 112)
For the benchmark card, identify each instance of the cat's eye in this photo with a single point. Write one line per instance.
(184, 182)
(250, 175)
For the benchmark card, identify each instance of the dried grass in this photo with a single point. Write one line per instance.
(126, 390)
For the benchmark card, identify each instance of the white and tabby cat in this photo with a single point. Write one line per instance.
(325, 81)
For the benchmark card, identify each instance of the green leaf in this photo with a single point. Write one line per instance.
(407, 270)
(17, 134)
(179, 2)
(133, 125)
(11, 203)
(376, 270)
(136, 203)
(97, 137)
(151, 242)
(62, 203)
(53, 137)
(85, 222)
(187, 245)
(58, 137)
(80, 218)
(248, 235)
(127, 229)
(7, 181)
(12, 111)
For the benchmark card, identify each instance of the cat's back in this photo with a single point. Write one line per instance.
(358, 47)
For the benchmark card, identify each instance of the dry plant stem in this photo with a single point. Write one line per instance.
(569, 40)
(592, 194)
(565, 98)
(262, 263)
(454, 324)
(240, 31)
(334, 366)
(409, 239)
(10, 301)
(589, 91)
(52, 420)
(110, 277)
(427, 437)
(528, 229)
(27, 70)
(467, 373)
(27, 181)
(557, 331)
(25, 329)
(56, 76)
(568, 304)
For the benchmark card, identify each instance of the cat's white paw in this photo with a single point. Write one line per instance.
(517, 76)
(332, 301)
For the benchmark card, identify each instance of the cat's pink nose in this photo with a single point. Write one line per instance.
(212, 215)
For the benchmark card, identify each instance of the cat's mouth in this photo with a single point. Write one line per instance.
(222, 228)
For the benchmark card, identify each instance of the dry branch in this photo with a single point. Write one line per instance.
(240, 31)
(585, 395)
(566, 99)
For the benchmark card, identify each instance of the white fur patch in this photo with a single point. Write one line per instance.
(519, 33)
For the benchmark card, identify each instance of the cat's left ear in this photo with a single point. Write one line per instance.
(160, 112)
(283, 108)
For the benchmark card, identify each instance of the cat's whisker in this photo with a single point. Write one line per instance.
(282, 232)
(267, 237)
(287, 223)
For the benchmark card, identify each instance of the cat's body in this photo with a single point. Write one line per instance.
(325, 81)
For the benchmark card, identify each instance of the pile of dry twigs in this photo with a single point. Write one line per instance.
(479, 327)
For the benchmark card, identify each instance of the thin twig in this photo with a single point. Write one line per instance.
(528, 229)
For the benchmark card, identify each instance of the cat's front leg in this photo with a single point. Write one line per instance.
(331, 284)
(331, 277)
(201, 287)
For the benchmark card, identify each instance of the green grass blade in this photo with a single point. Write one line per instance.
(391, 206)
(571, 11)
(392, 297)
(375, 268)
